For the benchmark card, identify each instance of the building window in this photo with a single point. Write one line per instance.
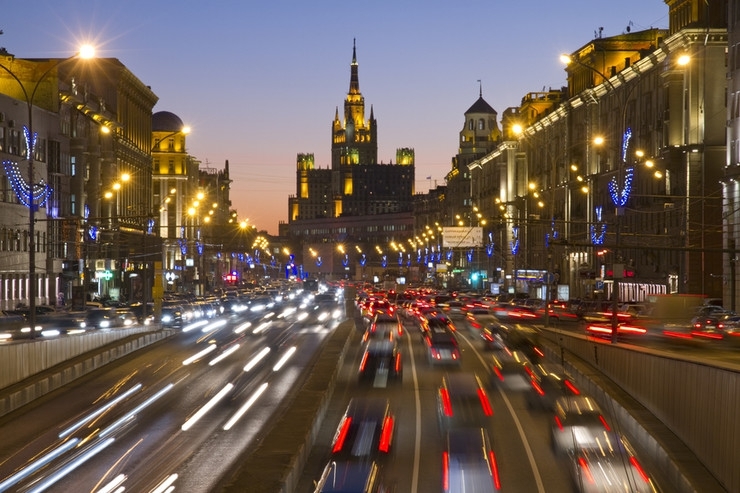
(73, 163)
(171, 167)
(471, 125)
(481, 124)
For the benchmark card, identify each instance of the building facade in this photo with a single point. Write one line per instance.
(357, 200)
(644, 206)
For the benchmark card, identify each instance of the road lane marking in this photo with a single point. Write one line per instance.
(417, 402)
(520, 429)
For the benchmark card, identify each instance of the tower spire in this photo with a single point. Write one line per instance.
(480, 88)
(354, 80)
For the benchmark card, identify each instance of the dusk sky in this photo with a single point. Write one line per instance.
(259, 82)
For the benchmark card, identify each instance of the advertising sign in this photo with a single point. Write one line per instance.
(462, 236)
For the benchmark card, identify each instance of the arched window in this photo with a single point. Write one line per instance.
(481, 124)
(471, 125)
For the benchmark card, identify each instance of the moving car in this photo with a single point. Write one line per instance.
(610, 470)
(469, 463)
(442, 346)
(462, 401)
(351, 477)
(380, 363)
(549, 383)
(385, 325)
(365, 431)
(510, 369)
(579, 423)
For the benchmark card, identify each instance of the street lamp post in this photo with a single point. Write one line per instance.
(35, 191)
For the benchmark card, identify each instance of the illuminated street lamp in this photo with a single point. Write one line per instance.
(30, 193)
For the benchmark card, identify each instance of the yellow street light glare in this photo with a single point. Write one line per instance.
(87, 51)
(684, 59)
(566, 59)
(598, 140)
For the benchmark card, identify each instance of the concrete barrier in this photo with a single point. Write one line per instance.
(623, 378)
(104, 350)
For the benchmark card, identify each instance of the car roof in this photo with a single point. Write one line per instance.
(470, 442)
(461, 383)
(347, 477)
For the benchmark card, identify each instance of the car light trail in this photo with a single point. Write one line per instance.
(241, 328)
(214, 325)
(223, 355)
(114, 483)
(287, 312)
(261, 327)
(165, 485)
(194, 325)
(81, 459)
(285, 358)
(256, 359)
(199, 355)
(209, 405)
(39, 463)
(136, 410)
(100, 411)
(252, 399)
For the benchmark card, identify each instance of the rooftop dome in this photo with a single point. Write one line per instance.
(164, 121)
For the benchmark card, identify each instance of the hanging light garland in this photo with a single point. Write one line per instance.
(39, 192)
(515, 242)
(489, 246)
(619, 195)
(384, 261)
(345, 260)
(470, 255)
(597, 237)
(319, 262)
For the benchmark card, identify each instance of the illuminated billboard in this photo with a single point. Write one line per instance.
(462, 236)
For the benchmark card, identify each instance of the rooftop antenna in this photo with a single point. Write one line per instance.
(480, 88)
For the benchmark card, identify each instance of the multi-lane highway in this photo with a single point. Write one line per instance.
(521, 436)
(177, 414)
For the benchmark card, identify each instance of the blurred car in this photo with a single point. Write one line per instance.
(380, 363)
(101, 318)
(171, 317)
(462, 401)
(510, 369)
(549, 382)
(478, 317)
(610, 470)
(366, 430)
(579, 424)
(127, 317)
(523, 338)
(441, 342)
(384, 326)
(710, 323)
(469, 463)
(351, 477)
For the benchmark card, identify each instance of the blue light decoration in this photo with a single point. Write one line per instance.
(384, 261)
(363, 260)
(319, 261)
(218, 255)
(240, 257)
(92, 233)
(418, 256)
(150, 226)
(182, 231)
(470, 255)
(345, 261)
(552, 235)
(183, 246)
(273, 262)
(619, 195)
(597, 237)
(515, 241)
(86, 211)
(199, 247)
(449, 254)
(400, 259)
(39, 192)
(489, 245)
(408, 260)
(257, 257)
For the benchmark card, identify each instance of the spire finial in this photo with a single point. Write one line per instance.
(480, 88)
(354, 50)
